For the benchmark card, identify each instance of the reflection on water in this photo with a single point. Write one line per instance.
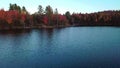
(14, 32)
(75, 47)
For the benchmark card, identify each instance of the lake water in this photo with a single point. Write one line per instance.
(73, 47)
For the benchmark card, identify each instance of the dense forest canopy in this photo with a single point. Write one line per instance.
(19, 17)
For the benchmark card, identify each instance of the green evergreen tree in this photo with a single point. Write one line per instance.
(49, 13)
(40, 10)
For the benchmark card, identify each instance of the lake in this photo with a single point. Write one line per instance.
(72, 47)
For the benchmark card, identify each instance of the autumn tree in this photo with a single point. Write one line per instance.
(3, 22)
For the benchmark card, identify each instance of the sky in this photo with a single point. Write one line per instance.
(77, 6)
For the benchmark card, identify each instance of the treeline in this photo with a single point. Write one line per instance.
(105, 18)
(19, 17)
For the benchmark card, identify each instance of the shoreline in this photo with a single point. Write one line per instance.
(52, 27)
(34, 27)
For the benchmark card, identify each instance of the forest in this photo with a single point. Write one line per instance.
(19, 18)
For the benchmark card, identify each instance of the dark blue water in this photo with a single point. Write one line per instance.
(74, 47)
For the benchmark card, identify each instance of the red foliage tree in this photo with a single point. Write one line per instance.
(45, 20)
(12, 16)
(59, 19)
(23, 17)
(2, 14)
(62, 19)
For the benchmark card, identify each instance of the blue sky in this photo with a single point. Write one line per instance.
(83, 6)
